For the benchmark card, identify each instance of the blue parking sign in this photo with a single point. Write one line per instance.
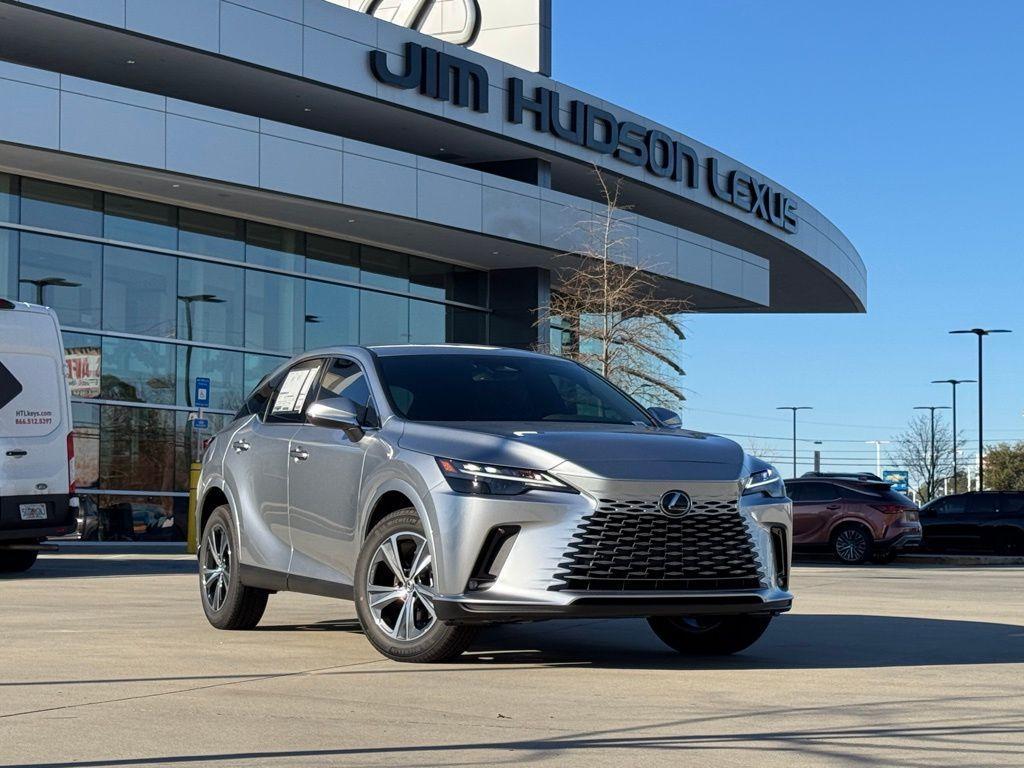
(202, 398)
(200, 423)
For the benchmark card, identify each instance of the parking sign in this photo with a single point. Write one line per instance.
(202, 398)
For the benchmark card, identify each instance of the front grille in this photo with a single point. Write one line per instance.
(632, 545)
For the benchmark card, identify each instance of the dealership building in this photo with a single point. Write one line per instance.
(202, 188)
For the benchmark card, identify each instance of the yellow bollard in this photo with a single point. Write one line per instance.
(193, 486)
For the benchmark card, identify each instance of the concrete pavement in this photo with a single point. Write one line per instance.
(108, 661)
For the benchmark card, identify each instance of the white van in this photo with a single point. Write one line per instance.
(37, 453)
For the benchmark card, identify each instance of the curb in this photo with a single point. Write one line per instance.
(70, 547)
(961, 560)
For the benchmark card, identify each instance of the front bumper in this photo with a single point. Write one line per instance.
(609, 606)
(529, 583)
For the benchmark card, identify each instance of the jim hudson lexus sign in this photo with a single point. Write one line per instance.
(442, 76)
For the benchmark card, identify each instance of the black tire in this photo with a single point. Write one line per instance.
(852, 544)
(237, 606)
(439, 642)
(709, 635)
(884, 558)
(17, 560)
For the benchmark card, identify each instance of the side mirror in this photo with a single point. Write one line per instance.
(666, 418)
(336, 413)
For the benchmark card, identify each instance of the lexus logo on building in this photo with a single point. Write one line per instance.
(453, 27)
(676, 503)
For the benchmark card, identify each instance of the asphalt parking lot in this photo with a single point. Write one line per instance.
(108, 661)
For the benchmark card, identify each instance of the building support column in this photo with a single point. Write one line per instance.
(516, 296)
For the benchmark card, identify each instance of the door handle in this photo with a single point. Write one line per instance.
(17, 454)
(240, 446)
(299, 453)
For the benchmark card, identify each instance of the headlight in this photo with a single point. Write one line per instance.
(489, 479)
(765, 481)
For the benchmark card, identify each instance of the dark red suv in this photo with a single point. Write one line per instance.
(855, 517)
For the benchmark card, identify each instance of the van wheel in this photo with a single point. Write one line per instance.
(851, 544)
(709, 635)
(17, 560)
(227, 602)
(395, 591)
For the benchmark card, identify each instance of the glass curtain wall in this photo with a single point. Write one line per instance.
(152, 296)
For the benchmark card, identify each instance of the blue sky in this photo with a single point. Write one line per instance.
(902, 122)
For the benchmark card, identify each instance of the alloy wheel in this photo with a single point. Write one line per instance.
(851, 545)
(215, 569)
(400, 587)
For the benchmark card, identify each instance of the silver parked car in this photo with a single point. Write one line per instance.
(447, 487)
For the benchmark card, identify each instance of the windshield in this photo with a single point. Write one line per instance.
(466, 387)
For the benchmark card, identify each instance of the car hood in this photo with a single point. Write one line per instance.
(582, 450)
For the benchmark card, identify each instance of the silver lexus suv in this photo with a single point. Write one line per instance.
(447, 487)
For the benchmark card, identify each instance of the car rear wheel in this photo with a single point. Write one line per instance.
(17, 560)
(709, 635)
(395, 593)
(851, 544)
(227, 602)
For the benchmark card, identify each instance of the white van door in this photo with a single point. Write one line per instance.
(34, 405)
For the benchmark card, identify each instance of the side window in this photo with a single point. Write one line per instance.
(951, 505)
(1012, 504)
(795, 491)
(289, 401)
(983, 504)
(257, 401)
(344, 378)
(819, 492)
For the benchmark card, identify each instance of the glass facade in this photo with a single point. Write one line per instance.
(151, 296)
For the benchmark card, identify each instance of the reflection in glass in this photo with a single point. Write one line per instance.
(133, 518)
(332, 315)
(466, 326)
(210, 303)
(62, 274)
(140, 221)
(86, 419)
(8, 264)
(83, 365)
(139, 290)
(327, 257)
(274, 312)
(137, 371)
(385, 269)
(274, 247)
(136, 448)
(8, 198)
(258, 366)
(222, 368)
(210, 235)
(60, 207)
(187, 440)
(383, 319)
(426, 323)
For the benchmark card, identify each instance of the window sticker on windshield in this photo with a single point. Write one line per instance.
(294, 390)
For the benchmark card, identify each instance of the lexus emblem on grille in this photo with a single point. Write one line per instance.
(676, 503)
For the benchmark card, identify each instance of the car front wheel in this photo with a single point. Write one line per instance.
(395, 591)
(227, 602)
(709, 635)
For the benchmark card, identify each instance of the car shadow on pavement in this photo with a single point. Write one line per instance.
(73, 566)
(802, 641)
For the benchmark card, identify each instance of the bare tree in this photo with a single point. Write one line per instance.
(609, 312)
(912, 449)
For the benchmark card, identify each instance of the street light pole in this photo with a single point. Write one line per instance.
(931, 473)
(981, 333)
(188, 301)
(794, 409)
(956, 438)
(878, 454)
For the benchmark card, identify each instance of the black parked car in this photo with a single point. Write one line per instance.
(988, 522)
